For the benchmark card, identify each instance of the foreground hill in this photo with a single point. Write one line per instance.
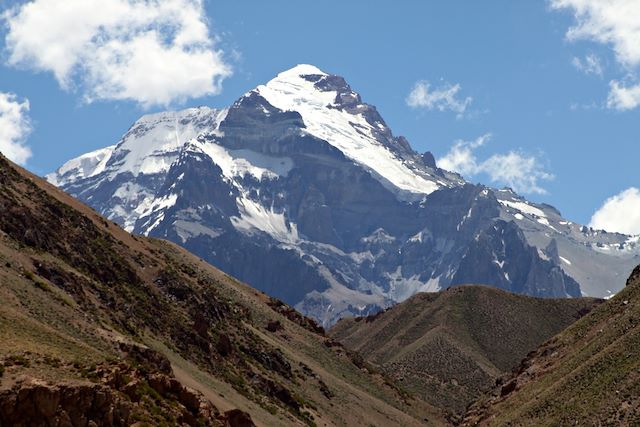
(99, 325)
(448, 347)
(587, 375)
(302, 190)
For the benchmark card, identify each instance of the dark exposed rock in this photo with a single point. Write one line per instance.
(552, 251)
(277, 391)
(331, 343)
(324, 389)
(189, 398)
(273, 360)
(237, 418)
(110, 402)
(522, 268)
(508, 388)
(224, 345)
(201, 325)
(428, 159)
(163, 384)
(274, 326)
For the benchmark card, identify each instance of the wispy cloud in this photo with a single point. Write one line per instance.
(461, 157)
(519, 171)
(613, 23)
(151, 52)
(444, 98)
(14, 127)
(620, 213)
(590, 64)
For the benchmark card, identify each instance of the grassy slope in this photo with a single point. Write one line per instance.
(74, 285)
(450, 346)
(587, 375)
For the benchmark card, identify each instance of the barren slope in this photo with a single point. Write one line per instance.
(587, 375)
(449, 346)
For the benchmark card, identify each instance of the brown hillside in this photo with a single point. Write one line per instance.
(448, 347)
(587, 375)
(99, 325)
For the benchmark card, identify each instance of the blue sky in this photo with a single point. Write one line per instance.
(536, 89)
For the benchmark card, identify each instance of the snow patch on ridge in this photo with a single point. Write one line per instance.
(255, 216)
(149, 147)
(401, 288)
(158, 206)
(84, 166)
(523, 207)
(239, 163)
(566, 261)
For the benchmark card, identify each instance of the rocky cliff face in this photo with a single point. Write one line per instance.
(302, 190)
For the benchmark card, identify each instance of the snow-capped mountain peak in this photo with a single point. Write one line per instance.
(149, 146)
(301, 189)
(301, 70)
(332, 112)
(152, 143)
(137, 165)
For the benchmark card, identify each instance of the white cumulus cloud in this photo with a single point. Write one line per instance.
(521, 172)
(620, 213)
(14, 127)
(153, 52)
(615, 23)
(444, 98)
(623, 97)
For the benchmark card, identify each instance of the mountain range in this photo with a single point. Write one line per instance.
(302, 190)
(102, 327)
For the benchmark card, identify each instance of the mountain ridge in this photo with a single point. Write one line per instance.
(587, 374)
(450, 347)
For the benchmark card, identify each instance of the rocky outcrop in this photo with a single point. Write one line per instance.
(64, 405)
(118, 394)
(113, 401)
(501, 254)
